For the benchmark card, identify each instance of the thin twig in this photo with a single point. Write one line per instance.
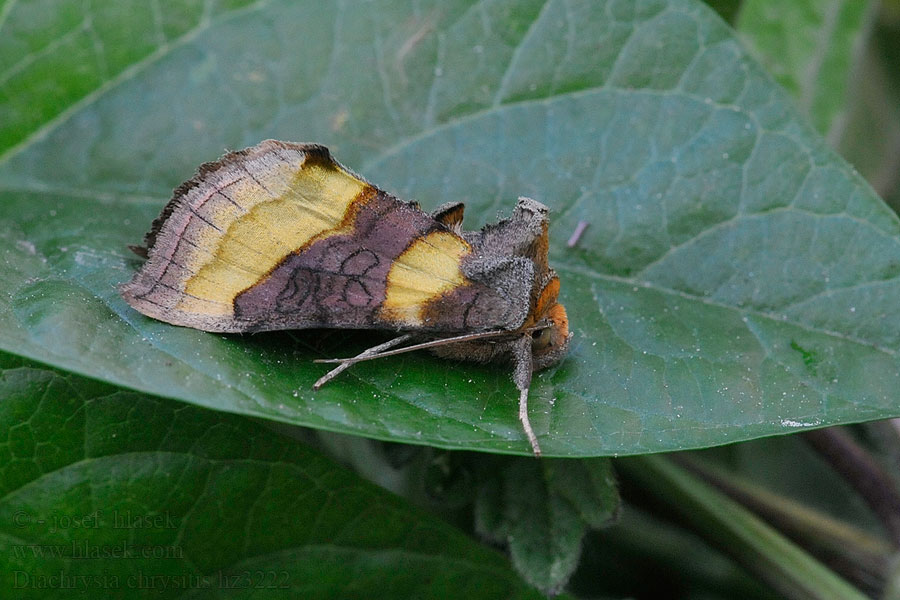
(860, 470)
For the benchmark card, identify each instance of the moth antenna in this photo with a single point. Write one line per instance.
(430, 344)
(347, 363)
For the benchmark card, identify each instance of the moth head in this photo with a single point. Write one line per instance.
(550, 343)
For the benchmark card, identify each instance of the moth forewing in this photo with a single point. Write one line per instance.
(282, 236)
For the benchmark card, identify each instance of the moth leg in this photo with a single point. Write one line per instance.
(522, 368)
(365, 354)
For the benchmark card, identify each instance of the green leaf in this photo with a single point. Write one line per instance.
(589, 486)
(838, 59)
(810, 47)
(56, 56)
(737, 278)
(541, 510)
(120, 495)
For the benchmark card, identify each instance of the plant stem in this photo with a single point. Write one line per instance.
(861, 471)
(862, 558)
(756, 546)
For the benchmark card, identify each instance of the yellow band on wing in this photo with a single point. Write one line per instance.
(429, 267)
(281, 210)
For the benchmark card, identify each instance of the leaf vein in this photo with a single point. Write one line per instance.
(709, 302)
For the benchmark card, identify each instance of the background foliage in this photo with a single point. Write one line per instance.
(736, 281)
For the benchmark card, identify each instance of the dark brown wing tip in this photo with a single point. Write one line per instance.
(450, 214)
(317, 152)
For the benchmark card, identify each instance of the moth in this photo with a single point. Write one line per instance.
(281, 236)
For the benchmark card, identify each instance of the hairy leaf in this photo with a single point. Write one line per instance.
(541, 510)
